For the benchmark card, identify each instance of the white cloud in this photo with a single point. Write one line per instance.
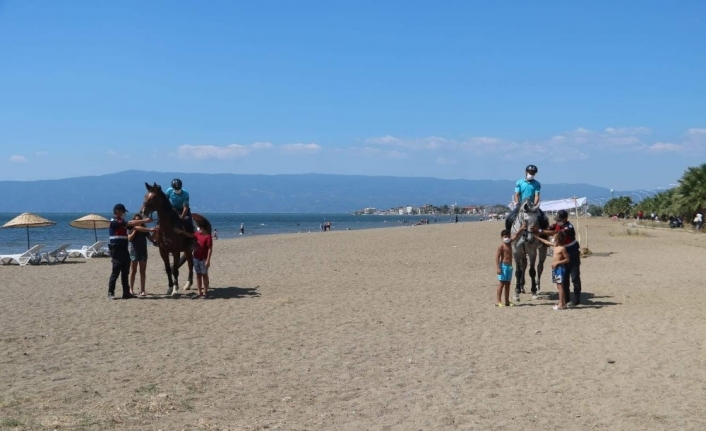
(202, 152)
(301, 148)
(663, 147)
(232, 151)
(387, 139)
(18, 159)
(696, 132)
(628, 130)
(117, 155)
(41, 153)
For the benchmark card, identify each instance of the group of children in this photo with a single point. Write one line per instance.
(561, 268)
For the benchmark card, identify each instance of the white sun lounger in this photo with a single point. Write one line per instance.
(30, 256)
(87, 251)
(56, 256)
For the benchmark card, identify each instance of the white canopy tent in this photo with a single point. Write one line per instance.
(562, 204)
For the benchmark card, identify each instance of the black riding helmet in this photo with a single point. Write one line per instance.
(532, 169)
(176, 184)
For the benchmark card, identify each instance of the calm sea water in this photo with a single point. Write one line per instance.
(14, 240)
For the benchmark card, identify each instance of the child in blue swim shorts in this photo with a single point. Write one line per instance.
(559, 261)
(503, 263)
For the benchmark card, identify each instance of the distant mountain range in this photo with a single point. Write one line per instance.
(231, 193)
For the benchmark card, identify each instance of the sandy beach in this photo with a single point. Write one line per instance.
(386, 329)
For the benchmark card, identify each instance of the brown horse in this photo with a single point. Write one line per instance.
(171, 242)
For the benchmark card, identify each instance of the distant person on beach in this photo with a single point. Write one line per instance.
(525, 188)
(137, 246)
(242, 228)
(503, 263)
(699, 221)
(203, 248)
(559, 267)
(179, 199)
(573, 267)
(215, 233)
(118, 246)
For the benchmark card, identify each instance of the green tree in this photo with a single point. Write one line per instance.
(619, 205)
(595, 210)
(690, 195)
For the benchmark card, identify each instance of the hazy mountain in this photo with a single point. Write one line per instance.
(268, 193)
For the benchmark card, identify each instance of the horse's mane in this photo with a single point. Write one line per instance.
(165, 206)
(527, 207)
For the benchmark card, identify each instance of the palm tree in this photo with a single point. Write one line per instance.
(690, 195)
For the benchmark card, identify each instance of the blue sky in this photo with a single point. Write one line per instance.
(604, 93)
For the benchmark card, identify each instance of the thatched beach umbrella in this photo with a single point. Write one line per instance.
(91, 221)
(28, 220)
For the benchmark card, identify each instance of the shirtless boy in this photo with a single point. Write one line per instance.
(559, 261)
(503, 263)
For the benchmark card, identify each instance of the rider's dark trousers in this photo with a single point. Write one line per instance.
(120, 258)
(573, 273)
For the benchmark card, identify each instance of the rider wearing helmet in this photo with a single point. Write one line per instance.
(179, 199)
(525, 188)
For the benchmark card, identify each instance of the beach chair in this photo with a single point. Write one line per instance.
(87, 251)
(30, 256)
(56, 256)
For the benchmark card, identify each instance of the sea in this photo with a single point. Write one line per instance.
(14, 240)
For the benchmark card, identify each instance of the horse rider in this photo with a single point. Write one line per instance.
(526, 188)
(179, 198)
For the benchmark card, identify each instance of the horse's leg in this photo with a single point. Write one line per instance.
(540, 265)
(189, 258)
(175, 268)
(532, 271)
(165, 258)
(520, 262)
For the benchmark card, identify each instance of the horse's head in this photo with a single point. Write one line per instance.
(154, 198)
(530, 214)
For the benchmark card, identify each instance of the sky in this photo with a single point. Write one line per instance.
(605, 93)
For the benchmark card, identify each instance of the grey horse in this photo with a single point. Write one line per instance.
(528, 246)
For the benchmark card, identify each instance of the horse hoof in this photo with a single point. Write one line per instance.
(535, 296)
(187, 286)
(169, 291)
(516, 297)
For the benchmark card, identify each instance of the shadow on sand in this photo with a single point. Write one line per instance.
(213, 293)
(588, 300)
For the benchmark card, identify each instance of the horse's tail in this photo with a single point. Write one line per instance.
(202, 222)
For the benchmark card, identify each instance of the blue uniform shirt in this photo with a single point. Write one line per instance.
(527, 189)
(178, 200)
(118, 232)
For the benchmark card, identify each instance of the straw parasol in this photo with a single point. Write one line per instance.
(91, 221)
(28, 220)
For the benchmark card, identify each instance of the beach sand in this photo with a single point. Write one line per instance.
(387, 329)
